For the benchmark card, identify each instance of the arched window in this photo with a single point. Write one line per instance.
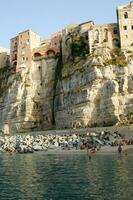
(50, 52)
(125, 15)
(97, 36)
(37, 54)
(116, 43)
(105, 35)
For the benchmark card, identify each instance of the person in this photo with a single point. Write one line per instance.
(93, 149)
(89, 157)
(88, 152)
(119, 148)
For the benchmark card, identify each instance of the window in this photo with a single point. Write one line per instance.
(132, 27)
(116, 43)
(27, 41)
(86, 37)
(125, 15)
(15, 56)
(37, 55)
(97, 36)
(50, 52)
(23, 58)
(115, 31)
(26, 58)
(105, 35)
(125, 27)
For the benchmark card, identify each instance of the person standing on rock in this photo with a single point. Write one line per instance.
(119, 148)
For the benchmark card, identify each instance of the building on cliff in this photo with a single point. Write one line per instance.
(4, 57)
(28, 46)
(21, 49)
(112, 35)
(50, 83)
(125, 24)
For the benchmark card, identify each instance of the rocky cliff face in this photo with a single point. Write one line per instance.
(94, 90)
(26, 98)
(95, 95)
(20, 109)
(72, 91)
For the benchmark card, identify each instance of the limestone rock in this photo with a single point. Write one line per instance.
(69, 91)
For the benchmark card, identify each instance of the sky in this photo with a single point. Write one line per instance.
(48, 16)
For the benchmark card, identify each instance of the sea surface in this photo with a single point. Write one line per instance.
(42, 176)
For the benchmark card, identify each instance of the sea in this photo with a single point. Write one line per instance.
(66, 176)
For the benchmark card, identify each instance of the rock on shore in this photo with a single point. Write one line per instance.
(30, 143)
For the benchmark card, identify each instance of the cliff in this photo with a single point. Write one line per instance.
(72, 90)
(25, 96)
(96, 91)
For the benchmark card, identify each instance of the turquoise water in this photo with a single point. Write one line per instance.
(40, 176)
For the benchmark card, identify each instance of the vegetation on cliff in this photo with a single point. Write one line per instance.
(117, 58)
(79, 44)
(4, 75)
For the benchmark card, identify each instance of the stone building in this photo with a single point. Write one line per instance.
(118, 34)
(104, 36)
(21, 49)
(125, 23)
(28, 46)
(4, 57)
(45, 92)
(48, 48)
(112, 35)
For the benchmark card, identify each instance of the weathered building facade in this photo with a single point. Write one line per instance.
(104, 36)
(28, 46)
(125, 24)
(21, 49)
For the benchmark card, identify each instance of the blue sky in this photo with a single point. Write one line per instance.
(48, 16)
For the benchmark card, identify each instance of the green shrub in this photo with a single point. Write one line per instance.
(117, 59)
(79, 46)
